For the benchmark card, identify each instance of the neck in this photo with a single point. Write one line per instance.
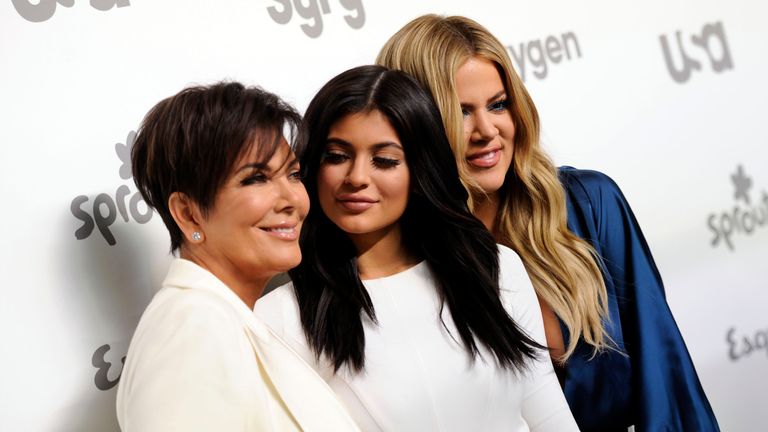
(382, 253)
(244, 285)
(486, 208)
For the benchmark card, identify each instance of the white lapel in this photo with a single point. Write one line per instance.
(308, 398)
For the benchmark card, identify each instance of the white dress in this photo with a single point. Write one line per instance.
(417, 377)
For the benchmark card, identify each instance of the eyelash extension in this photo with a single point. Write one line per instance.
(500, 105)
(296, 175)
(385, 163)
(334, 158)
(256, 178)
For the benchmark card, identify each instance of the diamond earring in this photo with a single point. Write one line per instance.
(196, 236)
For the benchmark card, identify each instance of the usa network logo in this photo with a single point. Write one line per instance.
(103, 211)
(710, 41)
(744, 218)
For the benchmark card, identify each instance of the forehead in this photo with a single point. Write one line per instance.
(265, 147)
(477, 78)
(364, 129)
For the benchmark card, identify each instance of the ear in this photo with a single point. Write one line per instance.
(187, 215)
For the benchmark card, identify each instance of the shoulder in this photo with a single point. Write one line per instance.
(192, 322)
(188, 308)
(589, 182)
(516, 290)
(510, 263)
(279, 310)
(278, 307)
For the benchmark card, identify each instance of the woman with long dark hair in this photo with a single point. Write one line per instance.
(403, 301)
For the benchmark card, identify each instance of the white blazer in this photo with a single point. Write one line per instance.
(201, 361)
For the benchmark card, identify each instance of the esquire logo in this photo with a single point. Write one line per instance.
(105, 208)
(312, 13)
(539, 53)
(744, 345)
(711, 40)
(43, 10)
(99, 361)
(744, 218)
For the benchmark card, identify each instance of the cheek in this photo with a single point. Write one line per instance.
(302, 201)
(467, 133)
(509, 129)
(258, 207)
(397, 186)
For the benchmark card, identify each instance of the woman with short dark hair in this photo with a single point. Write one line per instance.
(213, 162)
(403, 301)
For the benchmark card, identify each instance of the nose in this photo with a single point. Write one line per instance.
(291, 196)
(483, 128)
(358, 175)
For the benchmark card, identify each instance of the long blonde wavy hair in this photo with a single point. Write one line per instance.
(531, 217)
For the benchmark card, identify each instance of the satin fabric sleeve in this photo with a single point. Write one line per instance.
(668, 395)
(544, 407)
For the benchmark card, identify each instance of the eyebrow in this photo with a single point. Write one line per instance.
(261, 166)
(256, 166)
(490, 99)
(377, 146)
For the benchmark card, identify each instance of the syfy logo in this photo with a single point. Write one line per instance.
(105, 208)
(43, 10)
(314, 11)
(537, 53)
(711, 40)
(744, 219)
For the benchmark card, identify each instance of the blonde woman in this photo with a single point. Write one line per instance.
(620, 355)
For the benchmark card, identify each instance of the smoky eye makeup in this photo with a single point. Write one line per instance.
(334, 156)
(254, 177)
(385, 162)
(499, 105)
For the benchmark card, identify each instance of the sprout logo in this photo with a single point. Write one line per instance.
(105, 208)
(745, 217)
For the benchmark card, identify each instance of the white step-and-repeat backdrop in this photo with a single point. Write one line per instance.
(669, 98)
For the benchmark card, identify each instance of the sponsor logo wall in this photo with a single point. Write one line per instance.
(668, 100)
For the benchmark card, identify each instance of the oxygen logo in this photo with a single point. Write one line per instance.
(43, 10)
(106, 208)
(314, 11)
(745, 217)
(711, 40)
(746, 345)
(98, 360)
(537, 53)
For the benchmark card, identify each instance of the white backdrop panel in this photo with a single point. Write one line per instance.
(77, 78)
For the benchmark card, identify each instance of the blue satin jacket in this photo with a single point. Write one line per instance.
(654, 385)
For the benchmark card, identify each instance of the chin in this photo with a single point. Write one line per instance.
(490, 186)
(287, 261)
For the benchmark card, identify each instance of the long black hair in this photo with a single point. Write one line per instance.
(437, 226)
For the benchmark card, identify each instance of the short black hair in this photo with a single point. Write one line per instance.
(189, 143)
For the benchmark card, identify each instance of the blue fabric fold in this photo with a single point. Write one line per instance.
(650, 380)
